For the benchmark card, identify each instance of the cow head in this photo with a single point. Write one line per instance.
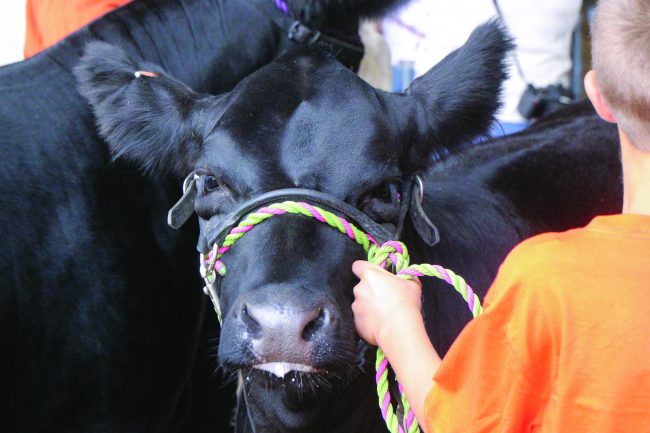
(302, 121)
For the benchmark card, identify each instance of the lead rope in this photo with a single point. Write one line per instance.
(392, 255)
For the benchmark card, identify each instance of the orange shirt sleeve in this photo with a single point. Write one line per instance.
(49, 21)
(495, 376)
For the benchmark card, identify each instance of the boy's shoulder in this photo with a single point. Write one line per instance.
(587, 244)
(544, 249)
(549, 258)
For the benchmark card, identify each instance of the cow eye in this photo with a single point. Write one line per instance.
(215, 195)
(211, 183)
(382, 203)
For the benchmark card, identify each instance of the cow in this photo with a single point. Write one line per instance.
(101, 327)
(305, 121)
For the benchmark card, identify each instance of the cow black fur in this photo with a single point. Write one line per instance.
(100, 312)
(305, 121)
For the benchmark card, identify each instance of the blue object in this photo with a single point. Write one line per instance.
(403, 75)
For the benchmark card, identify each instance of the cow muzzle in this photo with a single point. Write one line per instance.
(284, 335)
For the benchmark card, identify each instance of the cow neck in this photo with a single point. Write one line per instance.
(194, 41)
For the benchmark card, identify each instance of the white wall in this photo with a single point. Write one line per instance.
(12, 30)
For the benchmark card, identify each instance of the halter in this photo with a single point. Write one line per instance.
(214, 231)
(347, 48)
(220, 233)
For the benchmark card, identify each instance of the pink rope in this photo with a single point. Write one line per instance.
(396, 245)
(470, 298)
(381, 369)
(395, 249)
(312, 210)
(243, 229)
(271, 211)
(410, 419)
(348, 228)
(411, 272)
(384, 405)
(445, 276)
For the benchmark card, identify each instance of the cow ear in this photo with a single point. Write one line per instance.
(144, 115)
(455, 101)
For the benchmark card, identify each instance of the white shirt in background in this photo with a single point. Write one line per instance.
(425, 31)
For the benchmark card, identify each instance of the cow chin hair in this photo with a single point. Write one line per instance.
(300, 385)
(346, 362)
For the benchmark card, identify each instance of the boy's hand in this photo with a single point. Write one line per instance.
(384, 304)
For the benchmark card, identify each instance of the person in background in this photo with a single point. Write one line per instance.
(49, 21)
(563, 343)
(423, 32)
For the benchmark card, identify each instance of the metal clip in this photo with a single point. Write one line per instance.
(421, 222)
(420, 183)
(211, 291)
(184, 207)
(303, 34)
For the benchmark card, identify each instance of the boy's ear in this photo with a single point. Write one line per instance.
(592, 88)
(456, 100)
(144, 115)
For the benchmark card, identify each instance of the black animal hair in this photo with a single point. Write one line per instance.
(314, 12)
(155, 121)
(457, 98)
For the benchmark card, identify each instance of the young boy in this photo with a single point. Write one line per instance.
(564, 342)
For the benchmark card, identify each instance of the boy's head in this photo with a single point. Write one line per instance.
(619, 86)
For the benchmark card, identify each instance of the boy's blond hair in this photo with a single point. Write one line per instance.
(621, 59)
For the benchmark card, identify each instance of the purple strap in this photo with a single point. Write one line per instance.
(282, 5)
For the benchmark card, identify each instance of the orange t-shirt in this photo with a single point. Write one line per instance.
(564, 341)
(49, 21)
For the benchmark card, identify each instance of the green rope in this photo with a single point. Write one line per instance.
(393, 255)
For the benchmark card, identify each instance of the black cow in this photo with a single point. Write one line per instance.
(306, 121)
(99, 319)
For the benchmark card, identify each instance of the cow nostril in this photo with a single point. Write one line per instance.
(314, 326)
(249, 321)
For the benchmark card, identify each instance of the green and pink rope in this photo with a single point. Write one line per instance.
(392, 255)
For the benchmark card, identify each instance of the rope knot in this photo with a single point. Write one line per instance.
(210, 265)
(392, 255)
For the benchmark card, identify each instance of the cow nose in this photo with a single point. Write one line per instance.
(287, 333)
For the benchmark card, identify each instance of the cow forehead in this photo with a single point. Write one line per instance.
(285, 161)
(307, 88)
(309, 124)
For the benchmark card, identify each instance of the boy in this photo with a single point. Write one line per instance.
(564, 341)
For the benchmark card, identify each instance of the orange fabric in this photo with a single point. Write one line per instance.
(564, 342)
(49, 21)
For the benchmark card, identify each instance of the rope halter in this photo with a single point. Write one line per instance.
(392, 255)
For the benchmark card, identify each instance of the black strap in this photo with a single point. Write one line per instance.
(184, 207)
(349, 52)
(217, 228)
(411, 203)
(422, 224)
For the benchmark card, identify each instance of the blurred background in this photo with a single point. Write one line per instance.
(546, 69)
(12, 30)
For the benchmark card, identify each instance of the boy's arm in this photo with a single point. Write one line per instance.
(414, 360)
(499, 372)
(387, 314)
